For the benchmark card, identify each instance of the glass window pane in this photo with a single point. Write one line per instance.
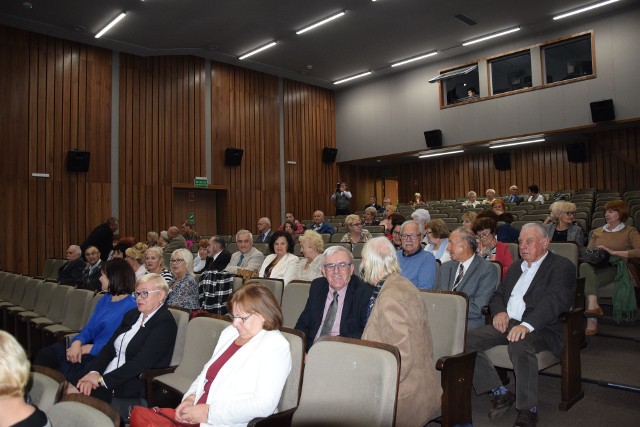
(568, 59)
(510, 73)
(461, 88)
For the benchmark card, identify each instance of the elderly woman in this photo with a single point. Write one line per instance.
(14, 376)
(370, 216)
(622, 243)
(184, 290)
(135, 257)
(246, 374)
(143, 340)
(154, 262)
(468, 218)
(417, 199)
(117, 278)
(201, 259)
(438, 237)
(471, 200)
(559, 224)
(152, 238)
(491, 194)
(282, 263)
(422, 217)
(386, 221)
(163, 239)
(312, 247)
(356, 234)
(486, 230)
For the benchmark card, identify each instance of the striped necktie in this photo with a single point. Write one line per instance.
(458, 277)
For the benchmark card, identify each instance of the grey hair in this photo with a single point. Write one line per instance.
(243, 231)
(220, 241)
(165, 235)
(371, 210)
(333, 249)
(422, 217)
(187, 256)
(76, 249)
(416, 223)
(469, 237)
(538, 226)
(159, 282)
(379, 259)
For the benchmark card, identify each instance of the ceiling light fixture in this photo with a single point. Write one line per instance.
(491, 36)
(324, 21)
(110, 25)
(357, 76)
(260, 49)
(584, 9)
(502, 143)
(417, 58)
(441, 153)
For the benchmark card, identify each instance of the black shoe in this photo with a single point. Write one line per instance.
(526, 418)
(501, 404)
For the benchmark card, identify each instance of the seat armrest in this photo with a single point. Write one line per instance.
(43, 325)
(276, 420)
(61, 335)
(148, 376)
(456, 378)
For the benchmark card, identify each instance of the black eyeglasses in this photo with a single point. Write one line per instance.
(244, 319)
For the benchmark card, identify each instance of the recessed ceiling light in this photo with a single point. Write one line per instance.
(260, 49)
(111, 24)
(357, 76)
(584, 9)
(491, 36)
(322, 22)
(441, 153)
(417, 58)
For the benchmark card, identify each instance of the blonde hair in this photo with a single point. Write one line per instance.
(314, 239)
(351, 219)
(137, 252)
(187, 256)
(559, 207)
(159, 282)
(14, 367)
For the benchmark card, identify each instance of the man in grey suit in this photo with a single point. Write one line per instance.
(525, 310)
(468, 273)
(247, 257)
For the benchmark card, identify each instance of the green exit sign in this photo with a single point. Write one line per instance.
(201, 182)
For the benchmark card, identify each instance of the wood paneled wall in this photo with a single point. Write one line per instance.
(613, 163)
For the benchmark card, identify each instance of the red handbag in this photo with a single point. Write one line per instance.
(155, 417)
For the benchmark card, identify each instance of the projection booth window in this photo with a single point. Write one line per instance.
(568, 59)
(511, 72)
(459, 85)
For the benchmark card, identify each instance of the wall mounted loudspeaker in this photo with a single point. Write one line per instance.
(329, 154)
(78, 161)
(433, 138)
(602, 111)
(577, 152)
(502, 161)
(233, 156)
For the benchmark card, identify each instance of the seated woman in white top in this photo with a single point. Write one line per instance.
(201, 259)
(534, 194)
(282, 263)
(312, 247)
(250, 364)
(471, 200)
(438, 236)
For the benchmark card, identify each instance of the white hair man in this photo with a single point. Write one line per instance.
(247, 257)
(70, 273)
(264, 230)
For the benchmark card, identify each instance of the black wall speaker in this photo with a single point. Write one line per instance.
(433, 138)
(577, 152)
(78, 161)
(233, 156)
(502, 161)
(329, 154)
(602, 111)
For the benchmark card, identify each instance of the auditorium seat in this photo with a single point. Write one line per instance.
(294, 299)
(46, 387)
(74, 410)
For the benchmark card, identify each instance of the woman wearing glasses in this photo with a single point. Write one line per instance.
(486, 230)
(356, 234)
(184, 291)
(118, 280)
(246, 374)
(559, 224)
(438, 237)
(144, 340)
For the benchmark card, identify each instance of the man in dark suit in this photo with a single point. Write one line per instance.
(525, 310)
(319, 225)
(91, 272)
(338, 302)
(218, 256)
(264, 230)
(373, 202)
(468, 273)
(513, 197)
(102, 238)
(70, 273)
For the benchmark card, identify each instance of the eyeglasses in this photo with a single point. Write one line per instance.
(409, 236)
(144, 294)
(176, 261)
(396, 233)
(484, 234)
(342, 266)
(91, 253)
(355, 224)
(570, 213)
(244, 319)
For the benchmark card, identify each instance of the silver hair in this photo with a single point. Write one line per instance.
(333, 249)
(244, 232)
(538, 226)
(422, 217)
(379, 259)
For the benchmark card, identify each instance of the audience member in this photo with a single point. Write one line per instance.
(298, 228)
(513, 196)
(398, 316)
(247, 257)
(163, 239)
(491, 194)
(341, 198)
(119, 249)
(311, 246)
(417, 199)
(468, 273)
(320, 226)
(534, 194)
(437, 234)
(201, 259)
(370, 214)
(218, 256)
(70, 273)
(386, 220)
(525, 310)
(264, 230)
(337, 302)
(417, 265)
(471, 200)
(506, 232)
(102, 238)
(373, 203)
(468, 218)
(288, 227)
(152, 238)
(422, 217)
(184, 290)
(489, 248)
(135, 258)
(154, 263)
(189, 233)
(91, 272)
(559, 224)
(396, 240)
(176, 240)
(282, 263)
(355, 234)
(385, 202)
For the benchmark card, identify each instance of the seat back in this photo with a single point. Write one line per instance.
(294, 299)
(291, 391)
(48, 268)
(19, 285)
(45, 387)
(201, 338)
(447, 312)
(44, 297)
(496, 264)
(181, 317)
(31, 293)
(515, 251)
(9, 285)
(349, 382)
(57, 303)
(237, 282)
(568, 250)
(344, 245)
(74, 410)
(76, 307)
(57, 263)
(262, 247)
(276, 286)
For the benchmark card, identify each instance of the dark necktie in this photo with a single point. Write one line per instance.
(458, 277)
(240, 260)
(330, 318)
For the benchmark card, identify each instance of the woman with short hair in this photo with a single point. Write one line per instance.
(486, 230)
(438, 237)
(559, 224)
(471, 200)
(184, 290)
(370, 214)
(312, 247)
(154, 263)
(201, 259)
(356, 234)
(491, 194)
(281, 263)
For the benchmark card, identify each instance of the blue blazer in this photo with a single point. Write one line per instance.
(354, 312)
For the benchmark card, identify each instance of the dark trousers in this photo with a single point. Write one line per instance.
(55, 357)
(523, 357)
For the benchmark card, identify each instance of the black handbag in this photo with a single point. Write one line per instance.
(594, 256)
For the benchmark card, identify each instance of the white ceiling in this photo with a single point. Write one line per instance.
(371, 35)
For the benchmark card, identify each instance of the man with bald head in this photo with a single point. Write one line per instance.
(319, 225)
(70, 273)
(264, 230)
(176, 240)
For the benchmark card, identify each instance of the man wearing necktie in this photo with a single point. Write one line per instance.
(337, 302)
(513, 197)
(264, 230)
(247, 257)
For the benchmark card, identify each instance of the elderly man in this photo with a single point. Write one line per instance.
(176, 240)
(102, 237)
(385, 202)
(319, 225)
(468, 273)
(70, 273)
(422, 217)
(417, 265)
(264, 230)
(337, 302)
(373, 202)
(247, 257)
(525, 310)
(218, 256)
(91, 272)
(398, 316)
(189, 232)
(513, 197)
